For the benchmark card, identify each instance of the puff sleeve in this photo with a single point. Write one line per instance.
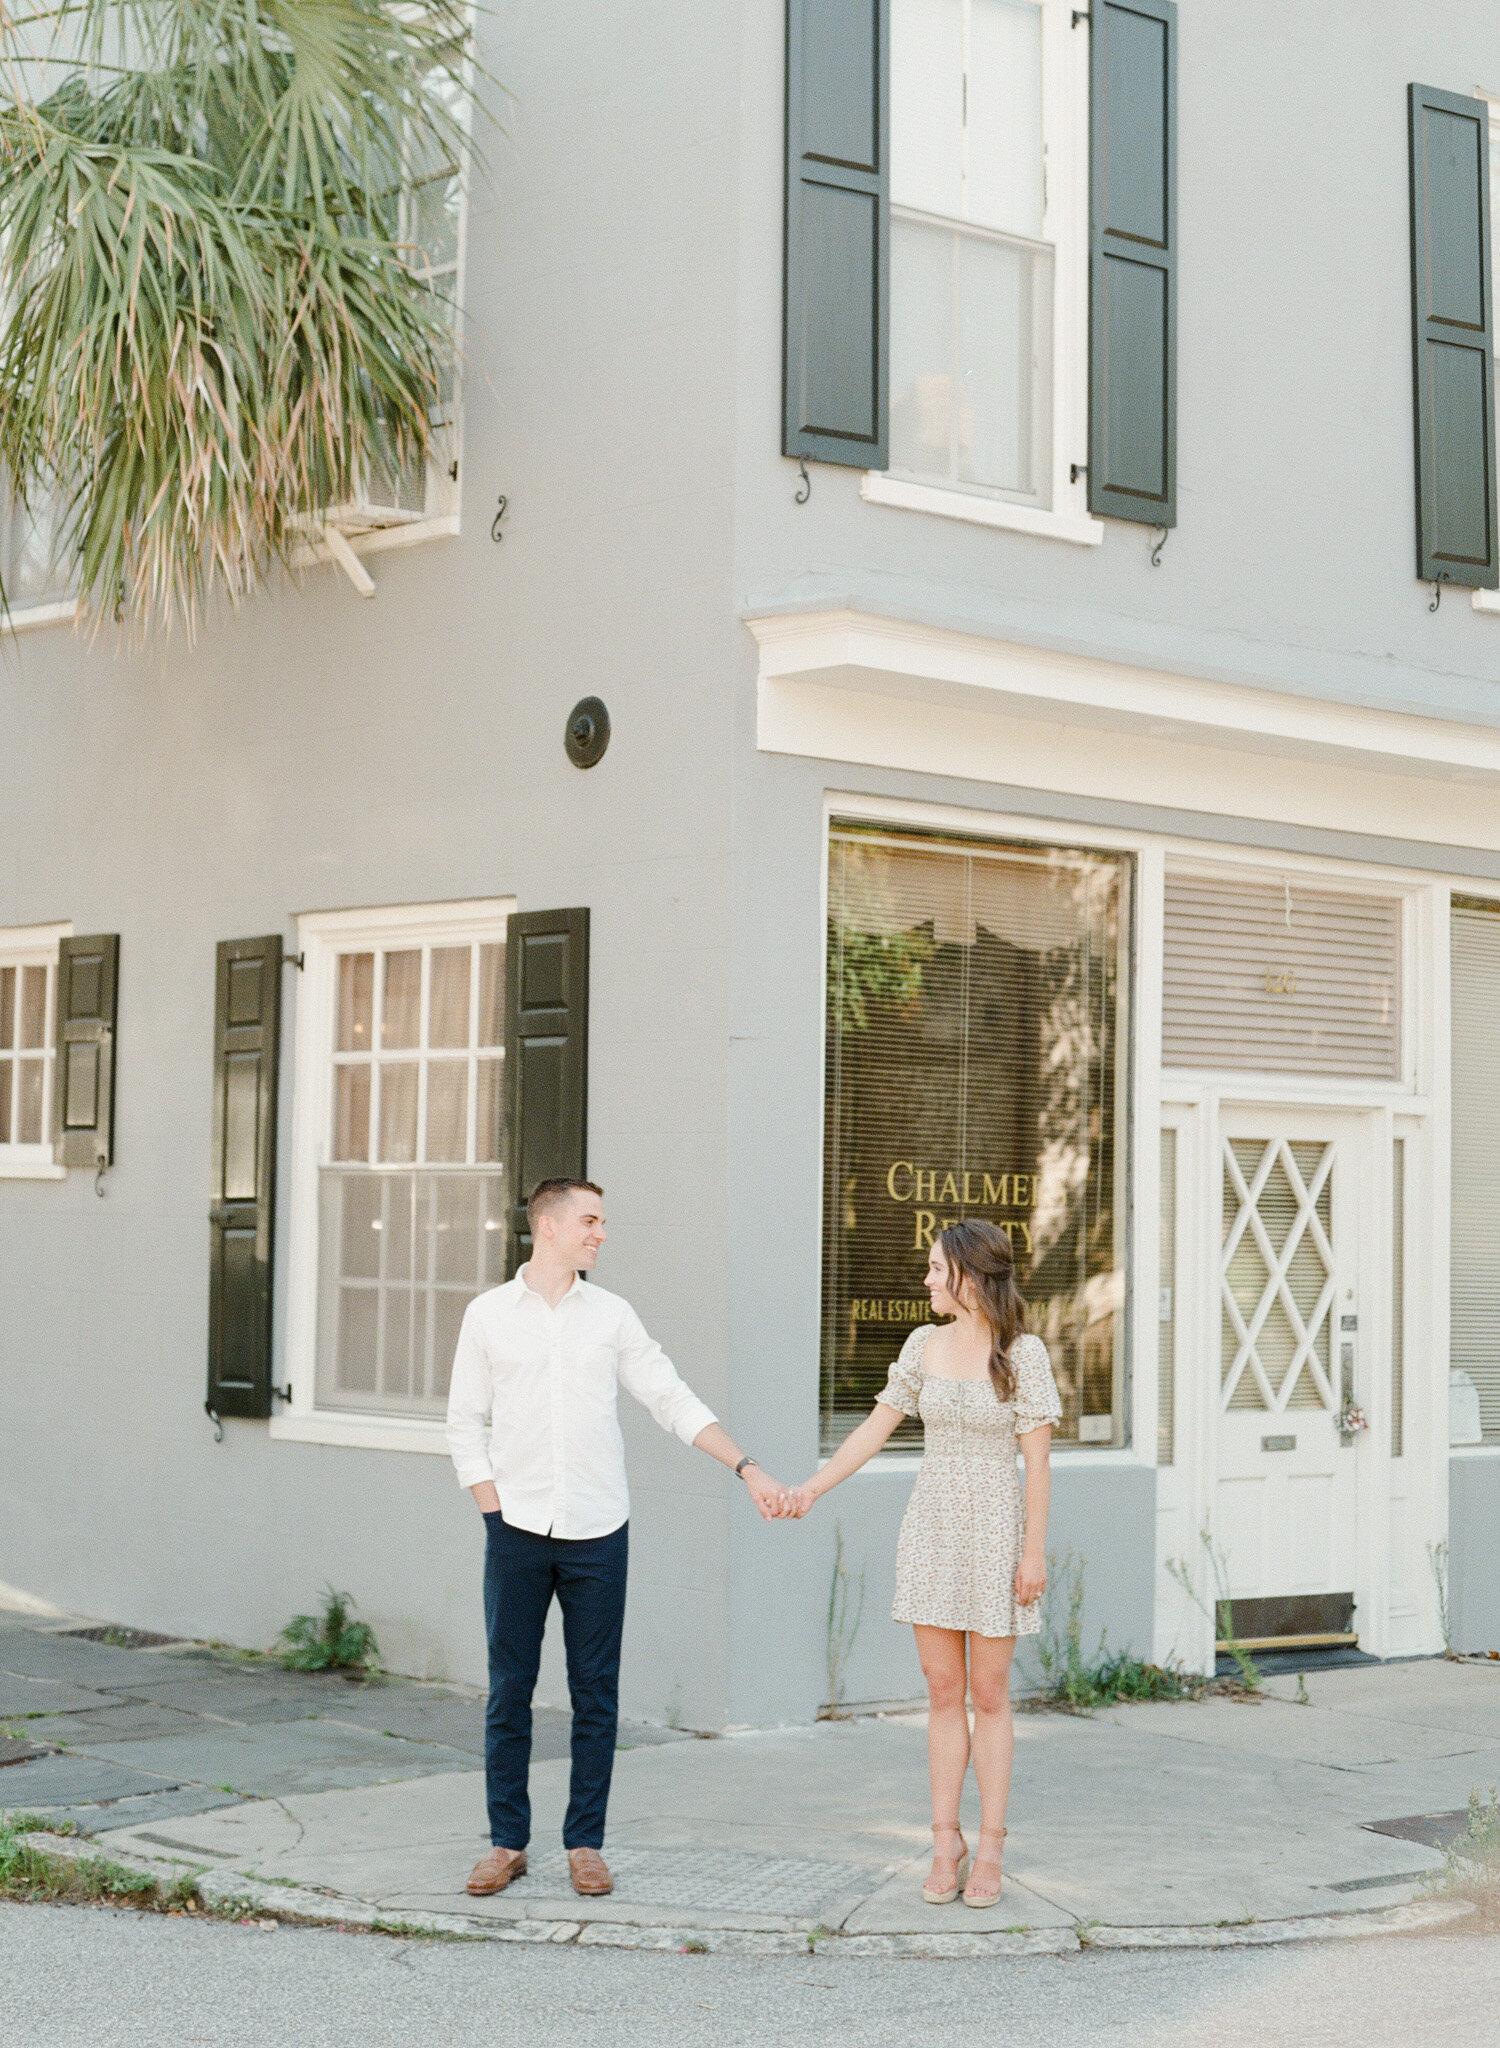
(905, 1382)
(1037, 1401)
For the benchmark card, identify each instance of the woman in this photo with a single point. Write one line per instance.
(971, 1564)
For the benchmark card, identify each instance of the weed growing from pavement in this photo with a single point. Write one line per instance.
(1473, 1869)
(332, 1641)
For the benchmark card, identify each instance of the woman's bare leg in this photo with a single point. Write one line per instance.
(994, 1747)
(944, 1666)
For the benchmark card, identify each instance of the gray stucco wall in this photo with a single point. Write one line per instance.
(1474, 1552)
(317, 751)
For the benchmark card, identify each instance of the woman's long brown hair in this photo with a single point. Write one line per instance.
(980, 1253)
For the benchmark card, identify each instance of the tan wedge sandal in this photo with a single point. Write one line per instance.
(943, 1895)
(972, 1895)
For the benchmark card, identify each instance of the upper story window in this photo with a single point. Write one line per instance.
(427, 223)
(30, 574)
(988, 250)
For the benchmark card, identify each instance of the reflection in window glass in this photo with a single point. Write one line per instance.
(975, 999)
(971, 275)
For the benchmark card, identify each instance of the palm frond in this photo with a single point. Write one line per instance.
(211, 328)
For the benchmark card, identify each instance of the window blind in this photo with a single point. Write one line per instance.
(1274, 976)
(1475, 1340)
(973, 1025)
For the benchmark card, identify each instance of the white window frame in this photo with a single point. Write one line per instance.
(1489, 600)
(1065, 224)
(36, 945)
(321, 937)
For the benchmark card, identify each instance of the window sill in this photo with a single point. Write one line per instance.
(363, 1432)
(1490, 1450)
(1487, 600)
(31, 1169)
(878, 488)
(28, 618)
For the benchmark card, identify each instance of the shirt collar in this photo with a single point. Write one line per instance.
(524, 1286)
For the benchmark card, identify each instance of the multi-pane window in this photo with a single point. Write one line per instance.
(972, 269)
(412, 1216)
(27, 994)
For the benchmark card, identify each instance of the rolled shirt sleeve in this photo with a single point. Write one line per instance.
(648, 1373)
(471, 1399)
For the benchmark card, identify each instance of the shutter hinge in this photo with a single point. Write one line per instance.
(297, 960)
(1076, 470)
(283, 1393)
(1081, 14)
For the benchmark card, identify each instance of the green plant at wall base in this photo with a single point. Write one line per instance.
(330, 1641)
(213, 329)
(1437, 1564)
(1221, 1611)
(846, 1607)
(1077, 1682)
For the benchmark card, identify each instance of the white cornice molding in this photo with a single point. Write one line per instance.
(869, 655)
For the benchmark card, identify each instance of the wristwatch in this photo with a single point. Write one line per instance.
(739, 1470)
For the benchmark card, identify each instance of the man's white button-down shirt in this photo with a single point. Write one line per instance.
(532, 1404)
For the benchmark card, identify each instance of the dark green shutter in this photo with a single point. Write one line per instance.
(1133, 261)
(836, 307)
(546, 1057)
(83, 1117)
(1453, 338)
(247, 1022)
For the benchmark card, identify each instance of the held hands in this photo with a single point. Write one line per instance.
(777, 1503)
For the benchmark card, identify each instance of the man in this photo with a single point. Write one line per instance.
(534, 1433)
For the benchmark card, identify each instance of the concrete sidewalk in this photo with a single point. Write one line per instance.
(1209, 1821)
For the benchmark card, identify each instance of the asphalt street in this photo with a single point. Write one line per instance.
(80, 1977)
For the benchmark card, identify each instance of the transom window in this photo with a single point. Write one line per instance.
(973, 247)
(411, 1210)
(28, 992)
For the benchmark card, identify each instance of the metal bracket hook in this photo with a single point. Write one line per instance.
(213, 1415)
(1437, 590)
(495, 534)
(1161, 541)
(101, 1166)
(802, 495)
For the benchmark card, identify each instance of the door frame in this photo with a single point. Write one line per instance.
(1186, 1497)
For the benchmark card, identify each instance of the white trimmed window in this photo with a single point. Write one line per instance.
(989, 260)
(36, 588)
(429, 228)
(398, 1199)
(28, 1011)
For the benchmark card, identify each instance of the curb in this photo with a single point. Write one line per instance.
(228, 1889)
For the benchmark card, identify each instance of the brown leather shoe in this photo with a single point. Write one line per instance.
(494, 1872)
(591, 1878)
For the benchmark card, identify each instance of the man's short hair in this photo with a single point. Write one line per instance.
(549, 1195)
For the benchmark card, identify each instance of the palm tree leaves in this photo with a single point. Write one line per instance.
(212, 328)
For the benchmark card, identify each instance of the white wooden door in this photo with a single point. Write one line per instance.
(1298, 1196)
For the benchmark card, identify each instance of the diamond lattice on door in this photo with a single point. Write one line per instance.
(1277, 1287)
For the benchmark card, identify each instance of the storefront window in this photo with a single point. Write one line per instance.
(975, 1067)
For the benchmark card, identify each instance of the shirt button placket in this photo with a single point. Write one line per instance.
(554, 1389)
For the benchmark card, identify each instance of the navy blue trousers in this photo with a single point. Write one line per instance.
(522, 1572)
